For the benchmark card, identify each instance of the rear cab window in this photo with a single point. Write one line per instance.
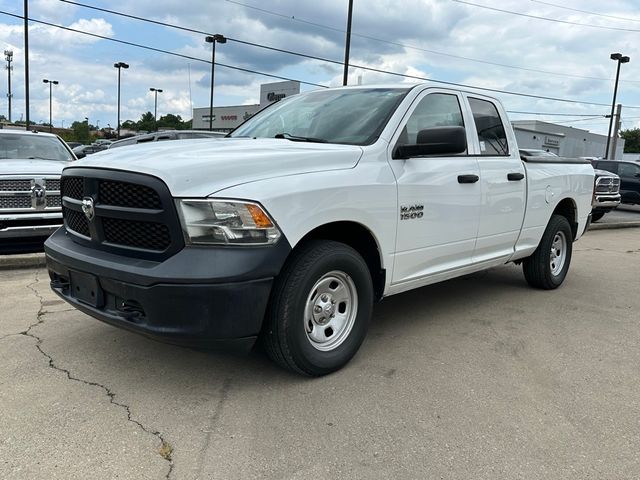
(492, 136)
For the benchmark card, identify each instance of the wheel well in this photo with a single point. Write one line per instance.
(567, 209)
(360, 239)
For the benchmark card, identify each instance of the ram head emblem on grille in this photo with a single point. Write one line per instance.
(87, 208)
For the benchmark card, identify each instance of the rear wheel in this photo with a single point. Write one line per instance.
(547, 267)
(320, 309)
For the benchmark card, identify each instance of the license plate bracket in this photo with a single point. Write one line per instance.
(86, 288)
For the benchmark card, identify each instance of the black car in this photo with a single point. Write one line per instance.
(629, 173)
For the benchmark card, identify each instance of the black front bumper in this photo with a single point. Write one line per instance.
(201, 296)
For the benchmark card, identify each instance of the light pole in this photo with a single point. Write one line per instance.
(155, 104)
(50, 82)
(213, 39)
(347, 44)
(620, 59)
(119, 66)
(8, 56)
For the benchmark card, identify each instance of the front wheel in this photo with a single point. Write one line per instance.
(547, 267)
(320, 309)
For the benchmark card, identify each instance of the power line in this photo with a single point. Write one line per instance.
(583, 120)
(566, 22)
(159, 50)
(372, 69)
(585, 11)
(411, 47)
(554, 114)
(435, 52)
(376, 70)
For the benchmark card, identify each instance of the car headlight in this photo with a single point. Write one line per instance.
(227, 222)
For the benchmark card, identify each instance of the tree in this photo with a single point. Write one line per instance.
(81, 132)
(146, 123)
(631, 140)
(171, 121)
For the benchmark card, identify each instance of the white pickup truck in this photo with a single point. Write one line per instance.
(310, 211)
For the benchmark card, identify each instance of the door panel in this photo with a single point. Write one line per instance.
(439, 232)
(503, 182)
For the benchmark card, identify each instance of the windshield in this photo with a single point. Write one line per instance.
(353, 116)
(32, 146)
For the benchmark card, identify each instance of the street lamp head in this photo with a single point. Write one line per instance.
(616, 56)
(121, 65)
(216, 38)
(625, 59)
(8, 54)
(159, 90)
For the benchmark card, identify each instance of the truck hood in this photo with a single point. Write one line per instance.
(201, 167)
(31, 167)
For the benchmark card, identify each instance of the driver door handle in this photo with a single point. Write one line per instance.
(468, 178)
(513, 177)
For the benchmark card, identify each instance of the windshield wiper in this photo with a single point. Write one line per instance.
(295, 138)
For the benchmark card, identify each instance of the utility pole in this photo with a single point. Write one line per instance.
(616, 129)
(347, 45)
(26, 59)
(8, 56)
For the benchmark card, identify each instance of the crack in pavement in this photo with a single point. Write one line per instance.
(224, 395)
(165, 449)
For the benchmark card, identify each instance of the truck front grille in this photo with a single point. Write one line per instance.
(607, 185)
(125, 213)
(29, 195)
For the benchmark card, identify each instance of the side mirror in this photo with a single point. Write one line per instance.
(435, 141)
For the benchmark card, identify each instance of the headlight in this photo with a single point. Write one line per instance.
(233, 222)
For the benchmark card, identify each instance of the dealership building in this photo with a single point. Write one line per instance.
(226, 119)
(562, 140)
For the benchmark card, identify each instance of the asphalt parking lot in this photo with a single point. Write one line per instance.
(480, 377)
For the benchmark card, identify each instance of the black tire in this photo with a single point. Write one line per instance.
(595, 216)
(291, 321)
(540, 271)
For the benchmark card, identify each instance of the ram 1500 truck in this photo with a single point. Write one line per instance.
(310, 211)
(30, 204)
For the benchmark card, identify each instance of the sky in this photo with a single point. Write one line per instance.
(551, 48)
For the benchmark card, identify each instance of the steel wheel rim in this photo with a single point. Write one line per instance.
(330, 311)
(558, 253)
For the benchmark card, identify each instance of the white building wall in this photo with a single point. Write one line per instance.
(228, 118)
(562, 140)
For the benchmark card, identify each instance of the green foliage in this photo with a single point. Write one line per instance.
(148, 124)
(80, 132)
(631, 140)
(171, 121)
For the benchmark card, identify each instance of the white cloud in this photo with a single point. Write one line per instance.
(83, 64)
